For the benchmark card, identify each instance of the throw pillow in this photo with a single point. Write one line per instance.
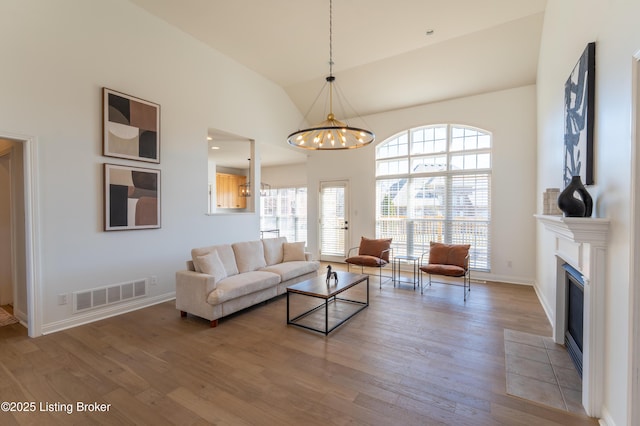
(273, 253)
(293, 251)
(212, 265)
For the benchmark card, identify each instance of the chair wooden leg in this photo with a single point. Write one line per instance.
(183, 314)
(214, 323)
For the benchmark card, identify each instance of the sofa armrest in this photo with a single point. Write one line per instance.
(192, 291)
(193, 286)
(195, 282)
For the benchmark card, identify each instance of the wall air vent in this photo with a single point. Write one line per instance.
(104, 296)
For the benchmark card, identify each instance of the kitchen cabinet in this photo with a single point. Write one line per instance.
(228, 191)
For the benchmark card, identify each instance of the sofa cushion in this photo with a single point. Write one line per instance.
(249, 255)
(211, 264)
(289, 270)
(226, 254)
(242, 284)
(190, 265)
(273, 251)
(293, 251)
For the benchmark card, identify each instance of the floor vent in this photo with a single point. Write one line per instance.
(99, 297)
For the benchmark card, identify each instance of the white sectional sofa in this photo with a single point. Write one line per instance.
(223, 279)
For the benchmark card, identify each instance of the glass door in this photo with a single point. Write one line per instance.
(334, 221)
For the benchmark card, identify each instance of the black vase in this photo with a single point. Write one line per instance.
(573, 206)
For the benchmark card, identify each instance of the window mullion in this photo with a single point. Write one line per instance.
(450, 203)
(447, 192)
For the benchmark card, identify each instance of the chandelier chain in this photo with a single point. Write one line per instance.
(331, 37)
(330, 133)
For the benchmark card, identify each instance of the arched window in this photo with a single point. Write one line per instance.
(433, 183)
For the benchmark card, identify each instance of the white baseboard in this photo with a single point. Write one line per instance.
(107, 312)
(545, 305)
(486, 276)
(21, 315)
(606, 419)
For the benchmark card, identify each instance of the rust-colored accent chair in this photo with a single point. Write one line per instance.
(451, 260)
(374, 253)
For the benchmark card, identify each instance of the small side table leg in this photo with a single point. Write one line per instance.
(414, 274)
(394, 271)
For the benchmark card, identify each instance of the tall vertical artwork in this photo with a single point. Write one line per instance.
(579, 93)
(132, 198)
(131, 127)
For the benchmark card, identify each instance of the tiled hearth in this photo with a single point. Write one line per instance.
(540, 370)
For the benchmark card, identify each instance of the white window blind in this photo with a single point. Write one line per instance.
(444, 193)
(284, 210)
(332, 217)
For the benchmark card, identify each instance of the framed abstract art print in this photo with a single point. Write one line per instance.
(131, 198)
(131, 127)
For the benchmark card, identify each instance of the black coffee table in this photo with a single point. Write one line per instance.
(317, 288)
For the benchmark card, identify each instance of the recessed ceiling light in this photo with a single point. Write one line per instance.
(429, 32)
(215, 147)
(209, 138)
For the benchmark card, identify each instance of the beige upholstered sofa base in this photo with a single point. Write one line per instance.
(214, 312)
(199, 294)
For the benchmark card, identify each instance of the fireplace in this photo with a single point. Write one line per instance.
(577, 258)
(575, 315)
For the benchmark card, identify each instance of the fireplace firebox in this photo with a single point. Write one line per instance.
(575, 315)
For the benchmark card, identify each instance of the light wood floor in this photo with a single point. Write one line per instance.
(408, 359)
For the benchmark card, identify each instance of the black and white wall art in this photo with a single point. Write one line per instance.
(579, 92)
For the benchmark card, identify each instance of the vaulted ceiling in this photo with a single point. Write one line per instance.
(384, 58)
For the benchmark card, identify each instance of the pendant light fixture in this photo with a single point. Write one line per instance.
(244, 189)
(331, 133)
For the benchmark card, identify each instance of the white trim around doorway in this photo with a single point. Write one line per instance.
(634, 268)
(32, 230)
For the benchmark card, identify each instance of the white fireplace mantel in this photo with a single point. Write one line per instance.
(577, 229)
(582, 242)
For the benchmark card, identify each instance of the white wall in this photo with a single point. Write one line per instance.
(6, 274)
(56, 58)
(285, 176)
(613, 26)
(510, 116)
